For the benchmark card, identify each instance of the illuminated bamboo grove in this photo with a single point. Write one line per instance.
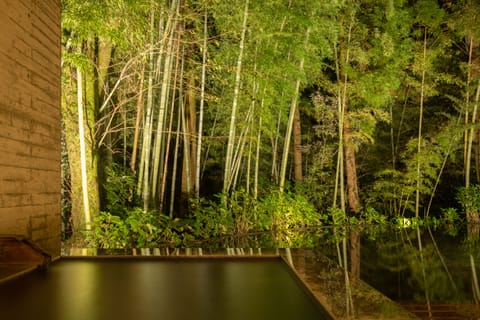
(350, 104)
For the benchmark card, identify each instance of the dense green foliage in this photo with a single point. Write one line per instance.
(282, 215)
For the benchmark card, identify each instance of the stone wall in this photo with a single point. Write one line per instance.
(30, 121)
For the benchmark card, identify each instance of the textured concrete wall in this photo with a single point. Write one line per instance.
(30, 121)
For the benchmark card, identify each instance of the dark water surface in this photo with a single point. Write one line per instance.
(434, 273)
(114, 288)
(431, 272)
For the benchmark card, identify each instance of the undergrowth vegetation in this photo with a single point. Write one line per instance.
(278, 220)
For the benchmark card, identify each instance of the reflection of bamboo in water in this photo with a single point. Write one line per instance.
(442, 260)
(348, 290)
(475, 287)
(337, 244)
(343, 262)
(473, 230)
(422, 264)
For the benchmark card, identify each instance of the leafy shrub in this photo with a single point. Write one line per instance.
(339, 217)
(240, 214)
(288, 214)
(372, 216)
(120, 191)
(469, 198)
(450, 216)
(244, 210)
(233, 216)
(210, 219)
(137, 230)
(289, 211)
(108, 232)
(144, 229)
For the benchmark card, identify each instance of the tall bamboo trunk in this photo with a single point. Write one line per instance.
(163, 185)
(342, 78)
(138, 119)
(475, 285)
(347, 167)
(275, 174)
(420, 123)
(473, 74)
(186, 186)
(202, 104)
(177, 134)
(189, 128)
(103, 137)
(228, 174)
(467, 109)
(143, 187)
(257, 158)
(83, 158)
(472, 216)
(291, 116)
(157, 159)
(240, 147)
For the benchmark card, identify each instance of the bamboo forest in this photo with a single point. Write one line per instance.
(185, 120)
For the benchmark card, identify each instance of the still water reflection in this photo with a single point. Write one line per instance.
(140, 288)
(432, 272)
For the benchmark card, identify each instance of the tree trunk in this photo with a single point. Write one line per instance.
(297, 147)
(351, 171)
(355, 262)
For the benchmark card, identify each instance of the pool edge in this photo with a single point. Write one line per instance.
(319, 274)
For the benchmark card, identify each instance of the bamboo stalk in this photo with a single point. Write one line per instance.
(231, 134)
(420, 122)
(83, 160)
(291, 117)
(202, 104)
